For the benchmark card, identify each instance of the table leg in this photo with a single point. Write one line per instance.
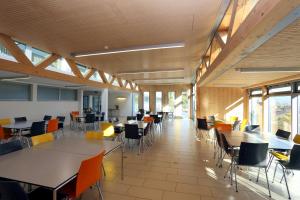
(122, 162)
(54, 194)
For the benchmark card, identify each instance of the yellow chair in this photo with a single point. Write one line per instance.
(40, 139)
(107, 129)
(94, 135)
(243, 124)
(5, 121)
(233, 119)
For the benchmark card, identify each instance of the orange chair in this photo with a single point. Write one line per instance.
(89, 174)
(2, 135)
(52, 125)
(5, 133)
(148, 119)
(224, 128)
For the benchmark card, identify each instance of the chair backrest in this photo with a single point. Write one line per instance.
(139, 117)
(283, 134)
(297, 139)
(2, 135)
(10, 190)
(90, 118)
(52, 125)
(90, 172)
(252, 153)
(40, 139)
(224, 128)
(131, 118)
(225, 145)
(37, 128)
(61, 118)
(20, 119)
(5, 121)
(251, 128)
(11, 146)
(148, 119)
(94, 135)
(47, 117)
(294, 162)
(233, 119)
(236, 125)
(107, 129)
(219, 138)
(148, 112)
(75, 113)
(243, 124)
(132, 131)
(202, 124)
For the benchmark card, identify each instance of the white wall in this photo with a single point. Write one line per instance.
(125, 106)
(35, 110)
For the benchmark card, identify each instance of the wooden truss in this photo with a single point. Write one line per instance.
(25, 66)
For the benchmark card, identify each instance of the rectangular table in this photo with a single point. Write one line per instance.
(236, 137)
(53, 164)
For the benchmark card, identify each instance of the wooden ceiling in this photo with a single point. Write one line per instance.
(65, 26)
(283, 50)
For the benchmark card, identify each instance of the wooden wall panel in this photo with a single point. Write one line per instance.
(218, 101)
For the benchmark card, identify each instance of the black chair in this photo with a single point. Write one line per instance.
(20, 119)
(292, 164)
(148, 112)
(47, 117)
(61, 120)
(131, 118)
(202, 127)
(251, 128)
(157, 121)
(142, 111)
(37, 128)
(10, 190)
(9, 147)
(283, 135)
(139, 117)
(258, 158)
(89, 119)
(132, 132)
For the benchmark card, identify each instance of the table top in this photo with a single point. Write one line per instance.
(236, 137)
(19, 125)
(141, 124)
(51, 164)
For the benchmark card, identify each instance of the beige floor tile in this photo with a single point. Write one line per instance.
(146, 193)
(153, 175)
(113, 196)
(193, 189)
(162, 185)
(180, 196)
(128, 180)
(182, 179)
(114, 187)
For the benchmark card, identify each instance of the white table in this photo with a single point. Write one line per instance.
(20, 126)
(53, 164)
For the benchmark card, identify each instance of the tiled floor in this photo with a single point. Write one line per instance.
(178, 167)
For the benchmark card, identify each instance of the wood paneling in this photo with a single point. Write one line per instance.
(217, 101)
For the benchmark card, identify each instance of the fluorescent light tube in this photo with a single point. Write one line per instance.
(148, 72)
(15, 78)
(133, 49)
(267, 69)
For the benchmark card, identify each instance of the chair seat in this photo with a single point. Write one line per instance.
(261, 164)
(279, 155)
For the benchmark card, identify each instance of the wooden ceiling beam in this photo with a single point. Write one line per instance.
(14, 50)
(74, 68)
(131, 85)
(219, 40)
(232, 18)
(102, 75)
(112, 80)
(120, 82)
(48, 61)
(262, 23)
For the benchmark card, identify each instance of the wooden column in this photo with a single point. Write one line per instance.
(246, 104)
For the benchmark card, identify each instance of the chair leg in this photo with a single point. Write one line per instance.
(229, 168)
(104, 172)
(267, 181)
(236, 188)
(99, 190)
(287, 187)
(270, 162)
(258, 175)
(275, 172)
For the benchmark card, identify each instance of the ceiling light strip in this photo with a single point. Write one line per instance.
(148, 72)
(268, 69)
(133, 49)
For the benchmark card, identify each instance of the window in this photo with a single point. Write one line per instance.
(83, 69)
(96, 77)
(135, 103)
(146, 101)
(256, 92)
(14, 91)
(61, 66)
(171, 101)
(255, 110)
(185, 104)
(279, 113)
(280, 89)
(46, 93)
(38, 56)
(68, 95)
(158, 101)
